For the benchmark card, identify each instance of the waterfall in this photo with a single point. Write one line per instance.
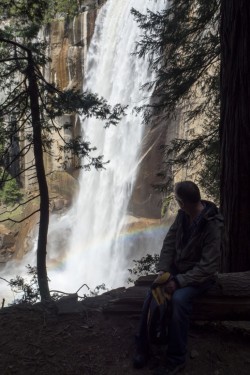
(89, 244)
(97, 244)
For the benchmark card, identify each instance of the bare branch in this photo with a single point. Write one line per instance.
(4, 280)
(8, 41)
(21, 204)
(22, 220)
(12, 59)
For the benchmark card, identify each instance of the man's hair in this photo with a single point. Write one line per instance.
(187, 191)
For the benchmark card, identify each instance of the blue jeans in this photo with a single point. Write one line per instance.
(181, 305)
(141, 337)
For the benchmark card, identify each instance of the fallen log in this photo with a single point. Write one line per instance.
(228, 299)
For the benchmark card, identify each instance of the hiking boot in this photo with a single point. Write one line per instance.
(140, 358)
(169, 369)
(141, 353)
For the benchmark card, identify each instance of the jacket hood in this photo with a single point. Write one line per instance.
(211, 211)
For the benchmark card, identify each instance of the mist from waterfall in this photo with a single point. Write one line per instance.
(99, 214)
(89, 244)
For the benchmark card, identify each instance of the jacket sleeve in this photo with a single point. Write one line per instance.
(168, 249)
(208, 265)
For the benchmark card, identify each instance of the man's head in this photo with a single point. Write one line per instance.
(187, 194)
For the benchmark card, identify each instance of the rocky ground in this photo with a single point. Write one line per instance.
(35, 340)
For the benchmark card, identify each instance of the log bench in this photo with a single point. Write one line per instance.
(228, 299)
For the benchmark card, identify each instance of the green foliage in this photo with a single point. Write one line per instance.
(96, 291)
(165, 204)
(10, 192)
(200, 153)
(57, 103)
(62, 7)
(36, 13)
(25, 10)
(28, 289)
(183, 47)
(86, 104)
(144, 266)
(182, 43)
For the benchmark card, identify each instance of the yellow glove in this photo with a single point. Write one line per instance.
(158, 287)
(161, 279)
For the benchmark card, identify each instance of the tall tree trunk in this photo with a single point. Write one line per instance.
(42, 183)
(235, 132)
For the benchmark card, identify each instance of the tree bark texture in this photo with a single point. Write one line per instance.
(235, 133)
(41, 177)
(228, 299)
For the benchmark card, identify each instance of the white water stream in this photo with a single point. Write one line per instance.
(89, 244)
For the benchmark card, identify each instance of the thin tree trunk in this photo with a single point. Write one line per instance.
(42, 183)
(235, 133)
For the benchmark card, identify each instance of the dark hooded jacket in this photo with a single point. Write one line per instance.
(193, 251)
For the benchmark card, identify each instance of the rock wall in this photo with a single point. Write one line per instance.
(149, 190)
(68, 41)
(146, 200)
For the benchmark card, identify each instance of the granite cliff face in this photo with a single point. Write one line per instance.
(146, 200)
(68, 42)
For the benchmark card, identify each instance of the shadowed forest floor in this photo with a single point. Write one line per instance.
(38, 341)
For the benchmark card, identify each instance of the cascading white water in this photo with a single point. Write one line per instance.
(91, 232)
(117, 75)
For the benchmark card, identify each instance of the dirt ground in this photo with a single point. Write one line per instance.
(34, 340)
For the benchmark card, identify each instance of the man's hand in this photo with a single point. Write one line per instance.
(171, 286)
(162, 278)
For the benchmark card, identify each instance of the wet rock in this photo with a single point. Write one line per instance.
(1, 240)
(58, 204)
(8, 240)
(6, 255)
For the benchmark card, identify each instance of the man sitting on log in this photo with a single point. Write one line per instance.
(191, 254)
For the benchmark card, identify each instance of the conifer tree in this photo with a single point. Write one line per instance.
(191, 45)
(182, 45)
